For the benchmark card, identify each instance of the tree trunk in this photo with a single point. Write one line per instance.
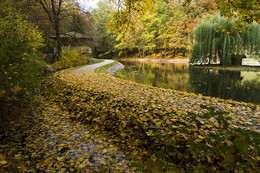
(57, 30)
(220, 57)
(140, 54)
(125, 51)
(165, 48)
(160, 50)
(53, 11)
(165, 55)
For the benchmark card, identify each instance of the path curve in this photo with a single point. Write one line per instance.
(91, 68)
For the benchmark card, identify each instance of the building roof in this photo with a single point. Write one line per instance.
(72, 35)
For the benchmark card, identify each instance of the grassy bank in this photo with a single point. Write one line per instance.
(230, 68)
(103, 69)
(159, 128)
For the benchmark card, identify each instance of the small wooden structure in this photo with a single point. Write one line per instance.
(75, 39)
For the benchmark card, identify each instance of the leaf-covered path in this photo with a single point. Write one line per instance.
(48, 140)
(51, 142)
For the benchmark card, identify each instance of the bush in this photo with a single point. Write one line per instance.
(21, 64)
(161, 129)
(71, 57)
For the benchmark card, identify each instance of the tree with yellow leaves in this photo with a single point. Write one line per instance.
(19, 43)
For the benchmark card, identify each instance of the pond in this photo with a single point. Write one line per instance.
(236, 85)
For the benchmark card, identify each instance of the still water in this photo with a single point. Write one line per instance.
(236, 85)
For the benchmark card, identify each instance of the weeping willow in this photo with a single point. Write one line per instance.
(218, 39)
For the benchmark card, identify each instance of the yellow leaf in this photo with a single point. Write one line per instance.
(135, 152)
(2, 157)
(149, 133)
(2, 93)
(16, 89)
(81, 159)
(201, 137)
(82, 165)
(216, 124)
(173, 126)
(257, 158)
(3, 162)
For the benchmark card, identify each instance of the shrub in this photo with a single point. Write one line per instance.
(162, 129)
(21, 64)
(71, 57)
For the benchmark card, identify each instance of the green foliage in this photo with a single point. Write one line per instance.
(105, 40)
(71, 57)
(94, 61)
(246, 11)
(217, 38)
(21, 64)
(160, 129)
(103, 69)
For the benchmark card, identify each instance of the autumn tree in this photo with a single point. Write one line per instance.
(164, 26)
(20, 63)
(104, 38)
(245, 11)
(56, 9)
(216, 39)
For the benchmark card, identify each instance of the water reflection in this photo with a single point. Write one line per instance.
(241, 86)
(164, 75)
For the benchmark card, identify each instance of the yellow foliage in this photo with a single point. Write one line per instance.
(145, 120)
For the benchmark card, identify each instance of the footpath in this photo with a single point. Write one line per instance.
(47, 140)
(91, 68)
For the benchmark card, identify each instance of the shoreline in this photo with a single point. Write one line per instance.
(230, 68)
(246, 66)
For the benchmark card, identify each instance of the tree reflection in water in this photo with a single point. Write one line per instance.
(217, 83)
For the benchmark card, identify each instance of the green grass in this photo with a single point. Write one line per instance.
(229, 68)
(103, 69)
(94, 61)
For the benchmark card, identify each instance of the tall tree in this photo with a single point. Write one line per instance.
(53, 10)
(56, 9)
(217, 39)
(104, 39)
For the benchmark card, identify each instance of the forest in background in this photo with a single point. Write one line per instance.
(162, 28)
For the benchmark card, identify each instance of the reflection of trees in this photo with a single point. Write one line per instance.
(254, 87)
(223, 84)
(164, 75)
